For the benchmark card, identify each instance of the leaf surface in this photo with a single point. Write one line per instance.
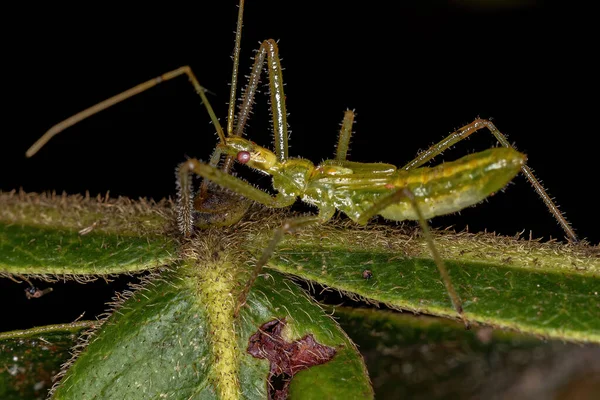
(165, 341)
(76, 236)
(547, 289)
(30, 358)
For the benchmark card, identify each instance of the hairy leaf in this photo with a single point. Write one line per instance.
(547, 289)
(78, 236)
(176, 338)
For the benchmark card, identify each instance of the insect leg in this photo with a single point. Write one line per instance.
(288, 226)
(267, 49)
(474, 126)
(439, 262)
(237, 185)
(142, 87)
(345, 133)
(216, 156)
(221, 178)
(234, 73)
(185, 200)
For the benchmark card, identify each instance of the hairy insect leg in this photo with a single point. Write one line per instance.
(223, 179)
(268, 49)
(236, 63)
(216, 156)
(342, 148)
(238, 185)
(185, 200)
(288, 226)
(341, 152)
(474, 126)
(405, 193)
(142, 87)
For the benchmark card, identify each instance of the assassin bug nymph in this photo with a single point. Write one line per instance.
(360, 190)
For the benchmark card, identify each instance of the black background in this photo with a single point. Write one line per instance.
(413, 72)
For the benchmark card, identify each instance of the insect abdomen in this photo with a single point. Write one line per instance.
(453, 186)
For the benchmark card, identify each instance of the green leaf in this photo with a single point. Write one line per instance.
(29, 359)
(167, 340)
(420, 357)
(547, 289)
(77, 236)
(178, 336)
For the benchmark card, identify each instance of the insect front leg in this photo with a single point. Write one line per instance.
(33, 292)
(223, 179)
(405, 193)
(269, 50)
(474, 126)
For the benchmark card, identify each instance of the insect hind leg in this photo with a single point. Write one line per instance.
(405, 193)
(288, 226)
(474, 126)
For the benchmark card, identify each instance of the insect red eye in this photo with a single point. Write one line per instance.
(243, 157)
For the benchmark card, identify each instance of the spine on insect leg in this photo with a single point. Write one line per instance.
(185, 197)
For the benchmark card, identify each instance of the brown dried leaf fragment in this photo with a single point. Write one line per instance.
(286, 358)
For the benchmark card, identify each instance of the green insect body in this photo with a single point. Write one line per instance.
(444, 189)
(354, 187)
(363, 190)
(360, 190)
